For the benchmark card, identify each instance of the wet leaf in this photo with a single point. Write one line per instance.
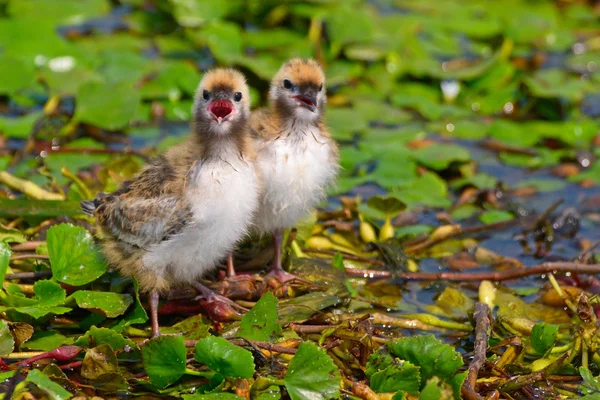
(73, 255)
(99, 361)
(427, 352)
(108, 304)
(21, 332)
(225, 358)
(164, 360)
(391, 375)
(260, 323)
(48, 296)
(137, 315)
(543, 337)
(19, 127)
(45, 341)
(99, 336)
(312, 374)
(52, 389)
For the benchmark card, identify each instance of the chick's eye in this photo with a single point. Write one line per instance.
(237, 96)
(287, 84)
(321, 87)
(205, 94)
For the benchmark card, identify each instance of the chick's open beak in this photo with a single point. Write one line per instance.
(307, 99)
(220, 110)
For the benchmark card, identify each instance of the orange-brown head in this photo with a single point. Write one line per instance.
(222, 103)
(298, 89)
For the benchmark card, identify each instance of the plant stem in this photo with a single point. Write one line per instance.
(28, 188)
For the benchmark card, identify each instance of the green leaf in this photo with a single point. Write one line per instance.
(98, 336)
(52, 389)
(428, 190)
(164, 360)
(109, 304)
(59, 11)
(225, 358)
(224, 39)
(493, 216)
(440, 156)
(19, 127)
(312, 375)
(15, 75)
(45, 341)
(391, 375)
(5, 253)
(543, 337)
(107, 105)
(389, 205)
(192, 13)
(9, 235)
(260, 323)
(7, 342)
(73, 255)
(590, 385)
(49, 293)
(435, 389)
(193, 328)
(136, 316)
(427, 352)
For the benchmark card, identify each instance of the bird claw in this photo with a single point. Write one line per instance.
(283, 276)
(220, 308)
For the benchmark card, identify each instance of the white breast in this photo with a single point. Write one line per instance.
(224, 196)
(296, 169)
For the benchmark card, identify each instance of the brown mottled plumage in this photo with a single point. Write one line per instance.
(187, 209)
(295, 152)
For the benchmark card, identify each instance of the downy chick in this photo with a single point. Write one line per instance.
(187, 209)
(295, 153)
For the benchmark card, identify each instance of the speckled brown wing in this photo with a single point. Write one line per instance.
(264, 125)
(151, 207)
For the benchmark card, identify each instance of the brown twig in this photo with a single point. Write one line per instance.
(27, 246)
(498, 276)
(482, 325)
(28, 275)
(30, 255)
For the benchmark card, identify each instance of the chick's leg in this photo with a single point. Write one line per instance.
(230, 267)
(219, 308)
(153, 300)
(276, 269)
